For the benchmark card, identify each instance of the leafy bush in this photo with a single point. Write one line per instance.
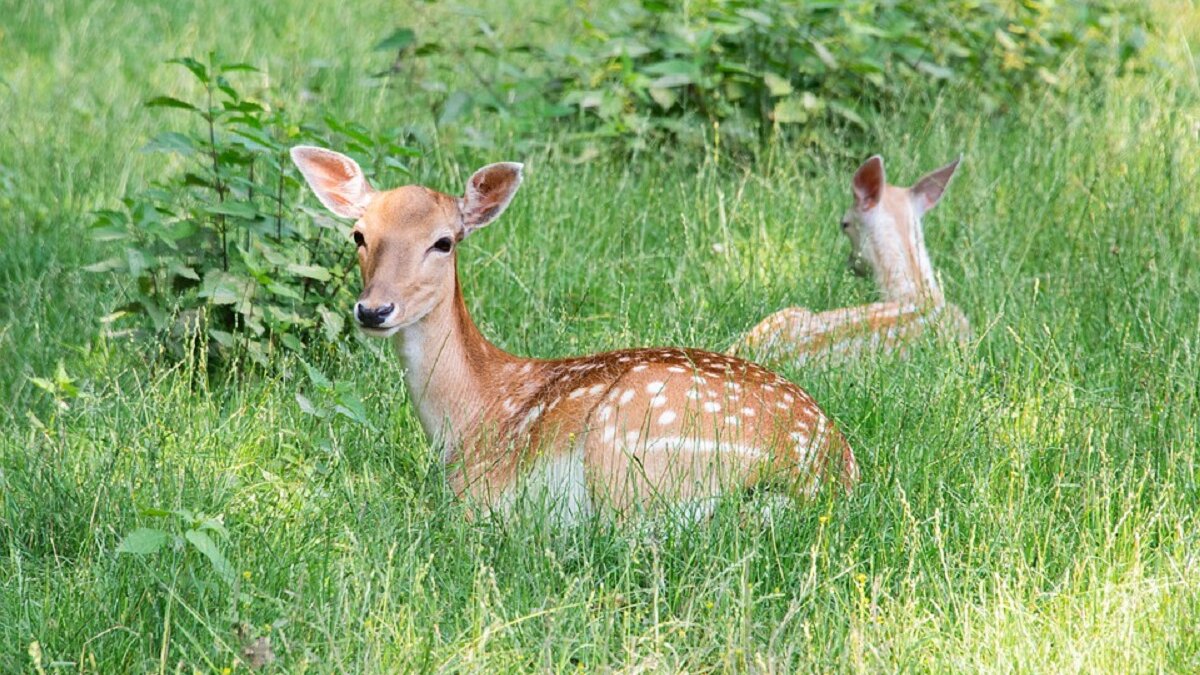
(658, 67)
(223, 242)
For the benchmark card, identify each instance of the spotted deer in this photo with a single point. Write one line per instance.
(887, 240)
(620, 430)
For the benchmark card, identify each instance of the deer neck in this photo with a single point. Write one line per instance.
(451, 370)
(907, 273)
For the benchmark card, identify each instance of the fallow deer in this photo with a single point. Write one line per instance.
(886, 239)
(620, 430)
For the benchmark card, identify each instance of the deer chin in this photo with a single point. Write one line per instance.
(380, 331)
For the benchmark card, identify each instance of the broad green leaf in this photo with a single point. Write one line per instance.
(399, 39)
(778, 86)
(234, 209)
(205, 545)
(170, 141)
(108, 265)
(143, 541)
(198, 69)
(310, 271)
(456, 105)
(316, 376)
(169, 102)
(665, 98)
(307, 407)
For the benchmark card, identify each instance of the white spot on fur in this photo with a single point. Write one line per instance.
(655, 387)
(596, 389)
(693, 394)
(748, 412)
(733, 419)
(610, 432)
(626, 397)
(676, 369)
(530, 418)
(639, 368)
(604, 413)
(712, 406)
(658, 401)
(667, 417)
(577, 393)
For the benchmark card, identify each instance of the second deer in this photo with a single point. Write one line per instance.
(886, 239)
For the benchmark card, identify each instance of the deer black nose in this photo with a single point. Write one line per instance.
(372, 317)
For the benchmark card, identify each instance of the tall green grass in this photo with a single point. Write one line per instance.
(1028, 503)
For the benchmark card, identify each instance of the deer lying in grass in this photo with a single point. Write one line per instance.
(626, 429)
(886, 239)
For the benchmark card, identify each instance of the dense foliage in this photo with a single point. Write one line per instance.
(220, 243)
(644, 68)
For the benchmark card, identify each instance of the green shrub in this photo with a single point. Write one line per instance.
(222, 241)
(651, 68)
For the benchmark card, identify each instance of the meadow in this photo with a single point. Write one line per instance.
(1029, 503)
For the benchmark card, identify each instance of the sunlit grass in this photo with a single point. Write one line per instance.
(1028, 503)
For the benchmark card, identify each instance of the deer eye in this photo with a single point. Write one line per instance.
(444, 244)
(358, 239)
(846, 224)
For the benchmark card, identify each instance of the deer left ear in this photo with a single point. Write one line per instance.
(928, 191)
(488, 193)
(336, 179)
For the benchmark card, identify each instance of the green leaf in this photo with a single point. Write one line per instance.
(170, 141)
(206, 546)
(169, 102)
(456, 105)
(234, 209)
(778, 86)
(315, 376)
(665, 98)
(935, 71)
(307, 407)
(401, 38)
(143, 541)
(113, 263)
(790, 111)
(310, 271)
(198, 69)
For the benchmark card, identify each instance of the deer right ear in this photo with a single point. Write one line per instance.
(336, 179)
(488, 193)
(868, 183)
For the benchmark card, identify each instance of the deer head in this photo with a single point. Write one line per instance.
(406, 237)
(884, 227)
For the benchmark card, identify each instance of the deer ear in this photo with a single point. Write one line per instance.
(868, 183)
(488, 193)
(928, 191)
(336, 179)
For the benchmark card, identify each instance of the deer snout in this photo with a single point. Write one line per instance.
(369, 316)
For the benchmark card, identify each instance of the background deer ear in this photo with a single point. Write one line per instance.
(868, 183)
(336, 179)
(928, 191)
(488, 193)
